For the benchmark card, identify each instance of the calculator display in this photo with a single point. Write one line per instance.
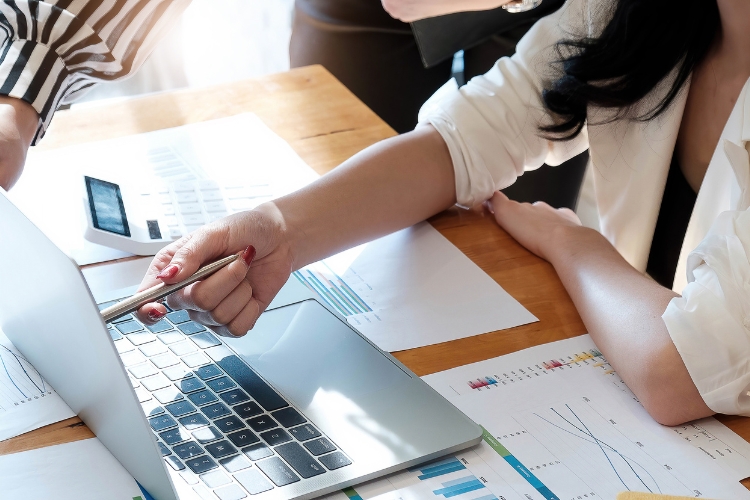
(107, 209)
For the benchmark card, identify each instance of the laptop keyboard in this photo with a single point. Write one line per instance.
(222, 427)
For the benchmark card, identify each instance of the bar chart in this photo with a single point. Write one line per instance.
(333, 289)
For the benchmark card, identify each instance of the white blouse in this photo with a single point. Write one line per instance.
(491, 128)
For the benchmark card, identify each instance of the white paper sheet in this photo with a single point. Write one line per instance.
(413, 288)
(238, 148)
(82, 470)
(27, 401)
(572, 428)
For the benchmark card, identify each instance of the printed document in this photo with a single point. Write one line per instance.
(413, 288)
(27, 401)
(559, 424)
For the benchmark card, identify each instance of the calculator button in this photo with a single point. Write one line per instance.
(193, 219)
(175, 232)
(217, 216)
(207, 184)
(192, 228)
(165, 199)
(241, 204)
(171, 220)
(189, 208)
(181, 187)
(215, 206)
(211, 195)
(189, 197)
(167, 210)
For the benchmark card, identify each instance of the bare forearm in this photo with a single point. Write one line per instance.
(387, 187)
(622, 311)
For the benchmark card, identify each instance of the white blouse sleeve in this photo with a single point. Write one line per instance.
(53, 51)
(710, 323)
(491, 124)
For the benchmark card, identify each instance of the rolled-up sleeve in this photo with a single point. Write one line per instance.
(491, 124)
(710, 323)
(52, 52)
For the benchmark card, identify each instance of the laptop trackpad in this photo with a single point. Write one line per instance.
(304, 350)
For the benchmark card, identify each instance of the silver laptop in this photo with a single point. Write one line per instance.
(301, 406)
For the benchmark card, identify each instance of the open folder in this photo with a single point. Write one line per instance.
(438, 38)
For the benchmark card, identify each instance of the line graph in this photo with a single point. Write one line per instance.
(591, 446)
(20, 382)
(576, 427)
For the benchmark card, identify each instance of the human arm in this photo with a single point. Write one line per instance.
(621, 308)
(413, 10)
(18, 124)
(389, 186)
(52, 52)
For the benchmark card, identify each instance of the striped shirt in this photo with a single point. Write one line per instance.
(53, 51)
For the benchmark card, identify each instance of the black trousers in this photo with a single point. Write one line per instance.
(376, 57)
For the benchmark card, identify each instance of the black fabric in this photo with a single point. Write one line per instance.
(377, 58)
(440, 37)
(674, 215)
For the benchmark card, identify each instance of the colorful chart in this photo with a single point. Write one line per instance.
(333, 289)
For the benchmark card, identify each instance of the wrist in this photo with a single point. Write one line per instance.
(568, 242)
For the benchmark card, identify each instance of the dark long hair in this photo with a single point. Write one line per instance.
(644, 41)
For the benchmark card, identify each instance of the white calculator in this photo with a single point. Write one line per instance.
(142, 220)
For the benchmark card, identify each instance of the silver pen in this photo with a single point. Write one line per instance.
(161, 290)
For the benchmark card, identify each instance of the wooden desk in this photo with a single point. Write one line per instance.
(326, 124)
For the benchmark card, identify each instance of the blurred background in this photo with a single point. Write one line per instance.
(194, 53)
(257, 33)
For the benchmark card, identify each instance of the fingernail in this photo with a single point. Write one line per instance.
(168, 272)
(489, 206)
(155, 315)
(248, 255)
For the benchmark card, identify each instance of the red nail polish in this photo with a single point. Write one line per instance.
(155, 315)
(168, 272)
(248, 255)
